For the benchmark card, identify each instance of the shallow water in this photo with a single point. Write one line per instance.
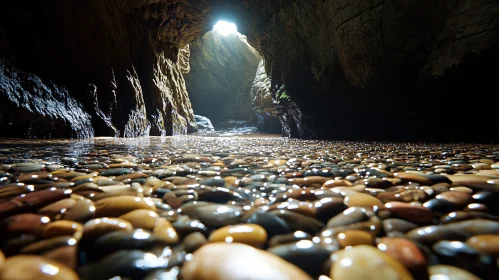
(152, 207)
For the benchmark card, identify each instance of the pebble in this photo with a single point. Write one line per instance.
(289, 238)
(195, 207)
(214, 214)
(194, 241)
(249, 234)
(27, 267)
(459, 254)
(24, 224)
(485, 243)
(447, 272)
(119, 205)
(366, 262)
(410, 212)
(141, 218)
(48, 244)
(305, 254)
(399, 225)
(27, 167)
(97, 227)
(272, 224)
(362, 200)
(411, 177)
(454, 231)
(407, 253)
(61, 228)
(457, 198)
(238, 261)
(353, 238)
(164, 231)
(128, 264)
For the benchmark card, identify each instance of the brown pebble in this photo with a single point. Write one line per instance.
(336, 183)
(366, 262)
(456, 198)
(354, 238)
(24, 224)
(413, 178)
(447, 272)
(407, 253)
(250, 234)
(308, 181)
(28, 267)
(82, 211)
(237, 261)
(45, 245)
(362, 200)
(67, 255)
(2, 259)
(97, 227)
(54, 210)
(119, 205)
(413, 213)
(164, 231)
(485, 243)
(60, 228)
(194, 241)
(141, 218)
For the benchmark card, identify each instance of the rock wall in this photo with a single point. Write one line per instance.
(265, 113)
(222, 71)
(108, 57)
(25, 97)
(373, 70)
(392, 69)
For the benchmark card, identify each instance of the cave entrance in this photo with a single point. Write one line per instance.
(228, 85)
(225, 28)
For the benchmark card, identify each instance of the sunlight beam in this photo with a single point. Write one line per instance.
(225, 28)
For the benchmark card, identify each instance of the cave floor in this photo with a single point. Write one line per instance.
(250, 206)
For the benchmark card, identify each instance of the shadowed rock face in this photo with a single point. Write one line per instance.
(387, 69)
(353, 69)
(107, 58)
(25, 97)
(265, 114)
(222, 70)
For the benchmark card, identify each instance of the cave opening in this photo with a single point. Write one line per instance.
(227, 84)
(225, 28)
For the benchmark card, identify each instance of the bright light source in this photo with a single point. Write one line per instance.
(225, 28)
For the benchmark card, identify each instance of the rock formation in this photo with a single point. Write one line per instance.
(25, 97)
(222, 72)
(265, 114)
(109, 59)
(204, 124)
(351, 69)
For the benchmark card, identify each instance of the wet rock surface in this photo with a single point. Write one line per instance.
(32, 108)
(265, 116)
(192, 207)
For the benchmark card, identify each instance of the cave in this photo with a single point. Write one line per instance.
(325, 139)
(373, 71)
(228, 84)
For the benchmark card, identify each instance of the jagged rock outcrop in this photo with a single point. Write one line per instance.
(204, 124)
(184, 59)
(108, 55)
(222, 71)
(265, 114)
(377, 69)
(25, 97)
